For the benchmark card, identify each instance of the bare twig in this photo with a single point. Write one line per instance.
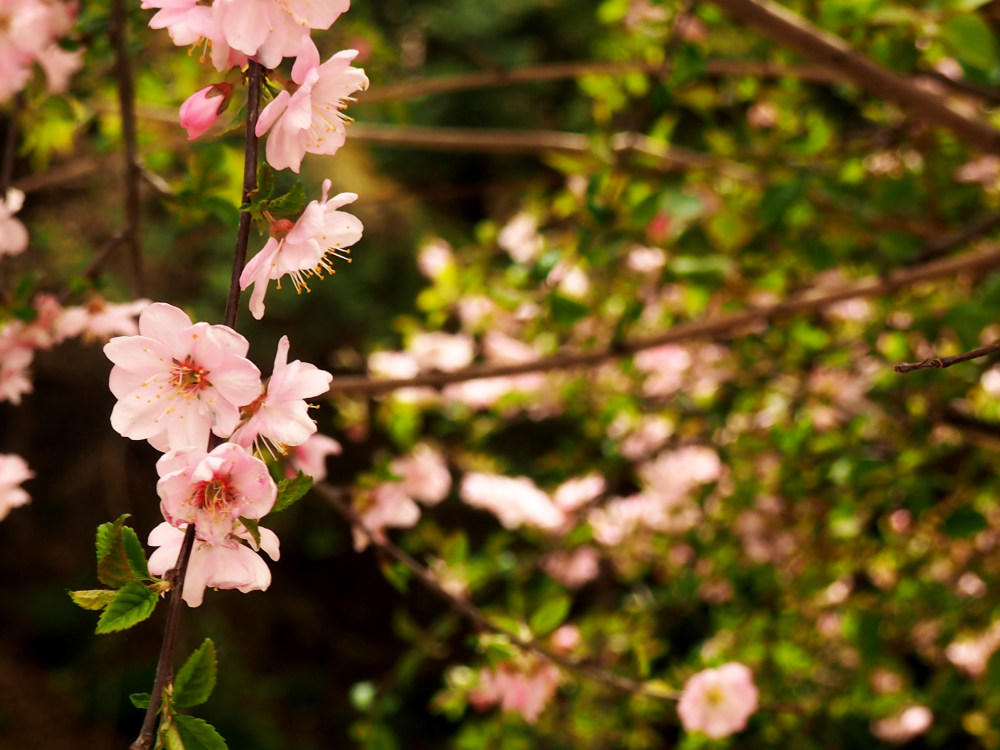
(939, 363)
(794, 32)
(131, 175)
(9, 146)
(730, 325)
(334, 496)
(179, 571)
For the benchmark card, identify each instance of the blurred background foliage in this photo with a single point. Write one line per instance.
(851, 534)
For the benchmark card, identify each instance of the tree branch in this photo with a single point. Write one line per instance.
(794, 32)
(730, 325)
(939, 363)
(334, 497)
(131, 175)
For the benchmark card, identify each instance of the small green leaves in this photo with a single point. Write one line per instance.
(550, 615)
(132, 604)
(94, 599)
(140, 700)
(196, 679)
(197, 734)
(971, 40)
(251, 525)
(120, 557)
(290, 491)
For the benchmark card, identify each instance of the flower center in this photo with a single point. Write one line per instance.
(189, 376)
(215, 496)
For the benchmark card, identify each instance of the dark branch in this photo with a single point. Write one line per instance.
(939, 363)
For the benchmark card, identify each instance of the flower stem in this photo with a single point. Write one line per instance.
(176, 575)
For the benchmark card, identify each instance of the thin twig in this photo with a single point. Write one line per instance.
(131, 175)
(730, 325)
(177, 574)
(784, 27)
(477, 618)
(9, 146)
(939, 363)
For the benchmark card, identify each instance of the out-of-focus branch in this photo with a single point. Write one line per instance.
(728, 325)
(9, 153)
(939, 363)
(790, 30)
(335, 498)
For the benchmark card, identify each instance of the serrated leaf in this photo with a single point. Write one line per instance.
(140, 700)
(113, 568)
(93, 599)
(290, 203)
(134, 553)
(132, 604)
(290, 491)
(198, 734)
(550, 615)
(195, 680)
(251, 525)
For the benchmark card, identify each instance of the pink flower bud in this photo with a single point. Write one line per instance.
(200, 111)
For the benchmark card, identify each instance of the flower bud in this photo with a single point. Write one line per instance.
(200, 111)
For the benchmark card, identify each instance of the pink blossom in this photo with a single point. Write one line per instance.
(520, 238)
(178, 380)
(279, 417)
(566, 639)
(310, 120)
(904, 726)
(424, 474)
(59, 66)
(100, 319)
(387, 506)
(576, 492)
(664, 367)
(719, 701)
(13, 235)
(13, 471)
(434, 257)
(971, 654)
(514, 501)
(573, 568)
(214, 490)
(179, 17)
(227, 566)
(310, 457)
(517, 690)
(442, 351)
(15, 358)
(200, 110)
(304, 249)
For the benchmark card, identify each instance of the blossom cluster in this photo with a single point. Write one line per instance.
(30, 31)
(178, 383)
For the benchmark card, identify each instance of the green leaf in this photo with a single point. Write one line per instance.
(134, 552)
(94, 599)
(550, 615)
(113, 567)
(251, 525)
(291, 202)
(196, 679)
(969, 38)
(132, 604)
(140, 700)
(565, 310)
(198, 734)
(963, 522)
(290, 491)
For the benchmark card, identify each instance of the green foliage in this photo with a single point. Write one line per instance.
(290, 491)
(193, 733)
(132, 604)
(195, 680)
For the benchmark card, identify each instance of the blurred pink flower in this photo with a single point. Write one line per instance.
(566, 639)
(579, 491)
(904, 726)
(99, 319)
(15, 358)
(573, 568)
(514, 501)
(13, 471)
(310, 457)
(517, 691)
(442, 351)
(178, 380)
(719, 701)
(388, 505)
(13, 235)
(424, 474)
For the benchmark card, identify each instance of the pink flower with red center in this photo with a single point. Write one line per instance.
(719, 701)
(303, 249)
(214, 490)
(228, 566)
(280, 416)
(311, 119)
(13, 471)
(177, 380)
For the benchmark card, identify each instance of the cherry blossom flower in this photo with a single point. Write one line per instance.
(13, 235)
(303, 249)
(200, 110)
(566, 639)
(310, 457)
(59, 66)
(386, 506)
(517, 690)
(279, 417)
(579, 491)
(719, 701)
(15, 358)
(214, 490)
(514, 501)
(177, 380)
(424, 474)
(904, 726)
(520, 238)
(13, 471)
(573, 568)
(442, 351)
(226, 566)
(310, 120)
(100, 319)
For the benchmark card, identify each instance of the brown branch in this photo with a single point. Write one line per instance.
(481, 622)
(177, 574)
(132, 178)
(420, 87)
(730, 325)
(9, 153)
(794, 32)
(939, 363)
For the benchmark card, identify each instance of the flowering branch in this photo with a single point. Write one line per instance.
(730, 325)
(334, 496)
(939, 363)
(177, 574)
(132, 177)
